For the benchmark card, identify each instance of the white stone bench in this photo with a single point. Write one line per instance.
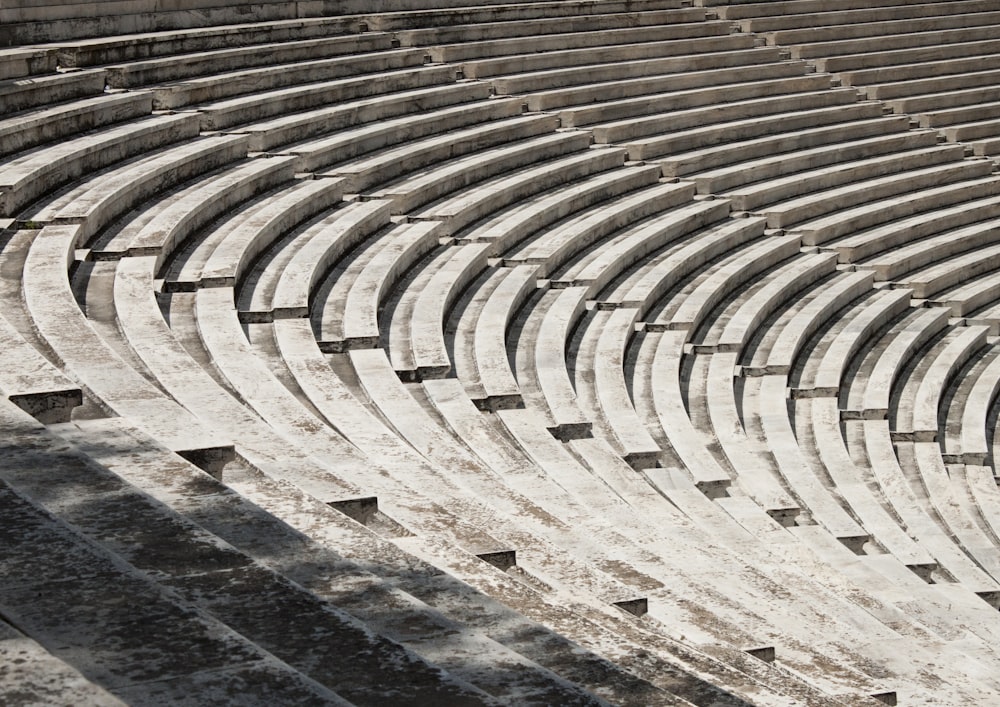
(921, 17)
(782, 284)
(512, 226)
(488, 31)
(888, 236)
(231, 259)
(173, 367)
(913, 94)
(817, 313)
(553, 87)
(889, 29)
(99, 368)
(631, 98)
(850, 481)
(961, 344)
(297, 127)
(218, 87)
(793, 463)
(946, 98)
(885, 75)
(634, 244)
(555, 246)
(193, 207)
(875, 313)
(586, 58)
(507, 12)
(426, 326)
(401, 248)
(866, 223)
(974, 300)
(921, 253)
(18, 62)
(927, 282)
(757, 472)
(973, 446)
(826, 165)
(25, 130)
(903, 346)
(492, 384)
(31, 382)
(672, 132)
(455, 175)
(738, 10)
(738, 269)
(32, 174)
(633, 442)
(159, 70)
(20, 94)
(950, 501)
(544, 357)
(384, 134)
(647, 132)
(390, 164)
(95, 202)
(674, 24)
(961, 114)
(809, 137)
(652, 283)
(479, 201)
(261, 105)
(870, 55)
(690, 444)
(886, 470)
(866, 180)
(328, 241)
(865, 45)
(121, 47)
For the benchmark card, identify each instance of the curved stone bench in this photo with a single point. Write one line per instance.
(925, 410)
(478, 202)
(298, 127)
(868, 243)
(553, 247)
(620, 19)
(32, 174)
(48, 124)
(509, 228)
(255, 107)
(872, 222)
(887, 472)
(327, 241)
(973, 446)
(100, 369)
(628, 100)
(597, 268)
(922, 253)
(391, 164)
(780, 177)
(817, 313)
(867, 21)
(383, 134)
(220, 86)
(185, 66)
(587, 58)
(684, 23)
(19, 94)
(852, 184)
(975, 43)
(431, 310)
(930, 280)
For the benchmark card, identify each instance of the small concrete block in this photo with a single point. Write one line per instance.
(888, 697)
(503, 560)
(636, 607)
(360, 509)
